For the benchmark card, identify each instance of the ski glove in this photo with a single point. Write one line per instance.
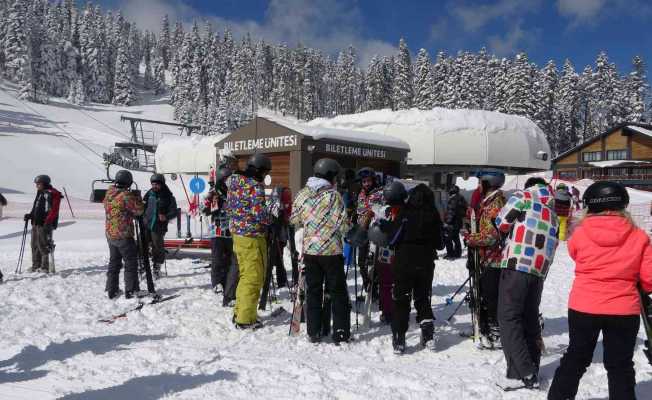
(27, 217)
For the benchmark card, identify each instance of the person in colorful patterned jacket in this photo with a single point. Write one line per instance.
(121, 206)
(532, 225)
(487, 242)
(370, 196)
(320, 211)
(44, 217)
(248, 221)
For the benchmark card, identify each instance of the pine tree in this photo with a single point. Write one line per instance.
(636, 87)
(546, 113)
(158, 79)
(124, 86)
(264, 66)
(568, 107)
(403, 91)
(424, 81)
(376, 85)
(519, 88)
(16, 45)
(164, 42)
(440, 72)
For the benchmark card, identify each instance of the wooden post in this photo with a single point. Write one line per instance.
(68, 201)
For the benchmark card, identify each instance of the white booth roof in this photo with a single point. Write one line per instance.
(179, 154)
(455, 137)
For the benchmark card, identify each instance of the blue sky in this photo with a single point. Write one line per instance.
(545, 29)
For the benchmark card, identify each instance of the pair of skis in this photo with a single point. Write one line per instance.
(155, 300)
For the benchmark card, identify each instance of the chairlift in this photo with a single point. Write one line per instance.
(98, 194)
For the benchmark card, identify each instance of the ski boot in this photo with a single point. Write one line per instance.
(398, 343)
(314, 339)
(494, 336)
(427, 334)
(531, 382)
(340, 336)
(156, 271)
(253, 326)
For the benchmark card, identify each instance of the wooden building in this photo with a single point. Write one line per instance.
(293, 149)
(623, 153)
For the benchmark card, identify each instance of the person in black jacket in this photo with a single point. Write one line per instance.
(45, 218)
(455, 212)
(160, 208)
(415, 234)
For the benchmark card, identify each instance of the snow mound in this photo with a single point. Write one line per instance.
(455, 137)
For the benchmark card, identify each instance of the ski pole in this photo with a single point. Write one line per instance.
(355, 285)
(458, 307)
(19, 266)
(449, 300)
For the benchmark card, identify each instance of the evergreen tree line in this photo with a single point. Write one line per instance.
(84, 54)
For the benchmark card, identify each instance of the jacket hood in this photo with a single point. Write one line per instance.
(544, 194)
(315, 184)
(607, 230)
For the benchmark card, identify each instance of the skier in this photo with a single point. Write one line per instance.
(248, 221)
(320, 211)
(414, 232)
(487, 242)
(160, 208)
(611, 257)
(529, 220)
(44, 217)
(224, 272)
(563, 209)
(121, 206)
(370, 196)
(455, 212)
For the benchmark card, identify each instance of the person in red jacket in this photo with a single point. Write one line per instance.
(612, 256)
(44, 217)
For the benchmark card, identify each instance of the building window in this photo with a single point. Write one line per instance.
(592, 156)
(616, 154)
(616, 172)
(567, 175)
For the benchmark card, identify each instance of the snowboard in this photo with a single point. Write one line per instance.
(475, 304)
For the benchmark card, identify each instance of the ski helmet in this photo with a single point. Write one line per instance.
(395, 193)
(157, 178)
(123, 179)
(605, 196)
(222, 173)
(377, 236)
(327, 168)
(260, 163)
(495, 178)
(453, 190)
(44, 179)
(366, 172)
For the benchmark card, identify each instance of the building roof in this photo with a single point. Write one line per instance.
(638, 127)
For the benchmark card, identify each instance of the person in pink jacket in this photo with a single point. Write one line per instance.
(612, 256)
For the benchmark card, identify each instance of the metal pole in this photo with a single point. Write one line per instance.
(68, 201)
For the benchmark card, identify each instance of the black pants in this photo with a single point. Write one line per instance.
(518, 315)
(119, 251)
(489, 285)
(221, 256)
(618, 340)
(232, 279)
(276, 257)
(363, 260)
(413, 273)
(327, 270)
(453, 243)
(158, 248)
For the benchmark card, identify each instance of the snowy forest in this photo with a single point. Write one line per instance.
(216, 81)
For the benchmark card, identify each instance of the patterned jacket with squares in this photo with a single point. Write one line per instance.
(532, 224)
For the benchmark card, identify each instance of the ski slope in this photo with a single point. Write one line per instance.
(52, 346)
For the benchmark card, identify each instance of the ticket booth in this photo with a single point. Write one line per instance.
(293, 150)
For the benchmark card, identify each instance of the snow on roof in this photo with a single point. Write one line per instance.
(176, 154)
(639, 129)
(454, 137)
(318, 132)
(614, 163)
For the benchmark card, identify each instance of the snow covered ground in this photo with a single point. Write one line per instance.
(52, 345)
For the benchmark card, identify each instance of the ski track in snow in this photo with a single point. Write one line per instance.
(53, 347)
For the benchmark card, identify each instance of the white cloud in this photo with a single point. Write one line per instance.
(580, 9)
(514, 40)
(328, 25)
(474, 17)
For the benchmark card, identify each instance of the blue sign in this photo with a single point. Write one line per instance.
(197, 185)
